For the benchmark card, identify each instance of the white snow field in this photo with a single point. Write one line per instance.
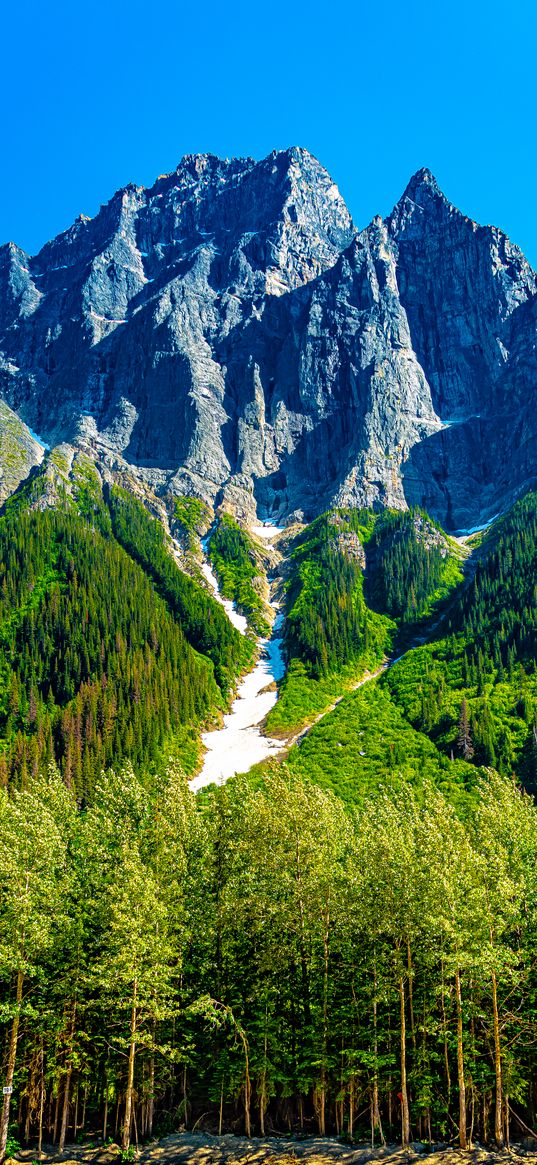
(240, 743)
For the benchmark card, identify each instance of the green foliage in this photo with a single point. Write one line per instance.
(328, 624)
(487, 655)
(203, 620)
(302, 698)
(88, 494)
(254, 957)
(330, 636)
(366, 741)
(411, 566)
(126, 1155)
(12, 1146)
(192, 514)
(92, 665)
(239, 572)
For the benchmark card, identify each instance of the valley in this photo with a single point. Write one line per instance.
(268, 676)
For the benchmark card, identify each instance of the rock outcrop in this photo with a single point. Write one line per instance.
(229, 334)
(20, 452)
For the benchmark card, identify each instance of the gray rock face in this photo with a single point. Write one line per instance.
(20, 452)
(227, 333)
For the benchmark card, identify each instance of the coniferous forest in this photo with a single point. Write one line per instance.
(343, 942)
(101, 660)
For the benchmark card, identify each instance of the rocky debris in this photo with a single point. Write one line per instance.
(204, 1149)
(227, 334)
(348, 544)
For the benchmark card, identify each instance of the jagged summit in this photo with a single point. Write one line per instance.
(422, 203)
(227, 333)
(423, 182)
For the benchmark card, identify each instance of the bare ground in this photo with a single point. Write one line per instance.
(204, 1149)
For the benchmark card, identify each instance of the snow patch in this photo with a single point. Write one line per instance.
(240, 743)
(267, 530)
(239, 621)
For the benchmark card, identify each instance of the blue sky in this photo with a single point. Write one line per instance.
(97, 95)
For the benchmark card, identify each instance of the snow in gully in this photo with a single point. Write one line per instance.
(240, 743)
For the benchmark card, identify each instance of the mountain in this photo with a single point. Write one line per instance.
(229, 334)
(342, 939)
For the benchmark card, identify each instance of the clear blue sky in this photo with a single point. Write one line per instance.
(95, 95)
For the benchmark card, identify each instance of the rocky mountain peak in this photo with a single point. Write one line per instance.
(422, 206)
(422, 184)
(227, 333)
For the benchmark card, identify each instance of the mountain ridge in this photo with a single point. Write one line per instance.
(228, 333)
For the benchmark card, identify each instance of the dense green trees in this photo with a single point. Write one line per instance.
(474, 688)
(331, 636)
(107, 650)
(239, 571)
(272, 955)
(203, 621)
(269, 959)
(92, 664)
(328, 623)
(411, 565)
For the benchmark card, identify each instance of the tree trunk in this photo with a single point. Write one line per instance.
(151, 1098)
(11, 1060)
(263, 1088)
(446, 1050)
(247, 1088)
(56, 1116)
(377, 1124)
(41, 1103)
(67, 1084)
(498, 1122)
(185, 1096)
(405, 1115)
(126, 1132)
(65, 1109)
(322, 1093)
(460, 1064)
(410, 995)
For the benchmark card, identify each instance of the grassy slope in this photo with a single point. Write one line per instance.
(366, 742)
(405, 725)
(327, 560)
(331, 637)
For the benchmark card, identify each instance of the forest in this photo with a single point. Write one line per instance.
(107, 650)
(267, 959)
(331, 635)
(473, 689)
(342, 944)
(411, 565)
